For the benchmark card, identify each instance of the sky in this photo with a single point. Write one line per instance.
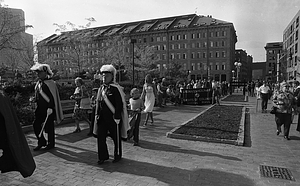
(256, 22)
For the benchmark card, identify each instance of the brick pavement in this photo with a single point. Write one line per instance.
(164, 161)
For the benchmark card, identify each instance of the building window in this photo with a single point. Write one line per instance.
(211, 34)
(204, 34)
(223, 43)
(210, 54)
(163, 56)
(193, 45)
(152, 39)
(158, 47)
(178, 46)
(216, 44)
(178, 55)
(164, 38)
(158, 39)
(172, 56)
(193, 66)
(198, 35)
(204, 54)
(184, 45)
(223, 54)
(198, 66)
(192, 36)
(172, 46)
(223, 67)
(198, 45)
(184, 56)
(217, 54)
(172, 38)
(184, 36)
(211, 44)
(145, 40)
(204, 44)
(198, 55)
(184, 66)
(178, 37)
(217, 67)
(164, 47)
(192, 55)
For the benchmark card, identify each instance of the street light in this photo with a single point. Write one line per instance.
(232, 74)
(133, 41)
(237, 66)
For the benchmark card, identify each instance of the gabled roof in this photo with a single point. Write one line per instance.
(152, 25)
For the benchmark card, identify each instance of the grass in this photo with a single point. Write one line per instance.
(221, 122)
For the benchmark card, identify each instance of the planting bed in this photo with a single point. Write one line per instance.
(220, 122)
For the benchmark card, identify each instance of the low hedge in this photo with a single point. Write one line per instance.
(19, 95)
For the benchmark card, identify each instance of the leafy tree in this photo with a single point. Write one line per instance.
(176, 71)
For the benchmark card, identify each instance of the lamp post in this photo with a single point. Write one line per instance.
(237, 66)
(133, 41)
(232, 74)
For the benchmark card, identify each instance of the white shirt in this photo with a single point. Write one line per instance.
(264, 89)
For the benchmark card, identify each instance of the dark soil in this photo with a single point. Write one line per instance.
(235, 98)
(220, 122)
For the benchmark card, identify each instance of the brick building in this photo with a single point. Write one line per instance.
(203, 45)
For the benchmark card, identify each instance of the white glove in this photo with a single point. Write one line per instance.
(117, 121)
(49, 111)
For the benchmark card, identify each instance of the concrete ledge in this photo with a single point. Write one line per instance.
(238, 142)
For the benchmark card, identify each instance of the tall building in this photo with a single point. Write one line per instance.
(273, 52)
(203, 45)
(16, 45)
(290, 48)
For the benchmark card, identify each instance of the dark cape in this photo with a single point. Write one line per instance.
(18, 156)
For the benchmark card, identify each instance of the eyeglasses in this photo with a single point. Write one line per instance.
(105, 72)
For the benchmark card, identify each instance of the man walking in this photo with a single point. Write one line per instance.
(48, 106)
(264, 94)
(110, 105)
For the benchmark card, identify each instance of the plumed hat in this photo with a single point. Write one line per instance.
(43, 68)
(111, 69)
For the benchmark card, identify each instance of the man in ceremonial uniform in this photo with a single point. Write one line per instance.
(109, 111)
(48, 106)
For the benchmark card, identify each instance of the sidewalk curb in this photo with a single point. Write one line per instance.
(238, 142)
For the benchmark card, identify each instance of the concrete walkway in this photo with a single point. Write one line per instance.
(164, 161)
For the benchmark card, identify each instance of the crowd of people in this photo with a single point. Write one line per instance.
(109, 114)
(285, 97)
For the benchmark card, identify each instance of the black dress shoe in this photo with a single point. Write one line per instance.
(100, 162)
(38, 147)
(49, 147)
(287, 138)
(116, 159)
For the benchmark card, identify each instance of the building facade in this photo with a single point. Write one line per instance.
(291, 43)
(16, 46)
(259, 71)
(273, 66)
(203, 45)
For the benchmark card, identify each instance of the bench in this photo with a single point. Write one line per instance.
(67, 107)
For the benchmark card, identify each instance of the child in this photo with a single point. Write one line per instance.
(136, 106)
(93, 106)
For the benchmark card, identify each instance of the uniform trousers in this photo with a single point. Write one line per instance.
(108, 126)
(49, 129)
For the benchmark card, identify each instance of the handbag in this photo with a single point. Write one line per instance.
(273, 110)
(85, 103)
